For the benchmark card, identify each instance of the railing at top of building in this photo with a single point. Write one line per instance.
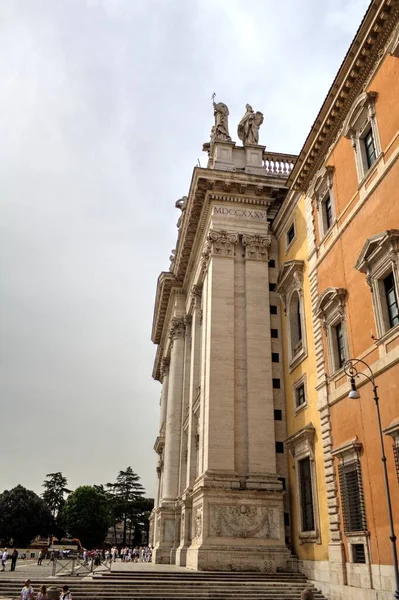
(277, 164)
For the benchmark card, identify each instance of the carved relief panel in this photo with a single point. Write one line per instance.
(244, 521)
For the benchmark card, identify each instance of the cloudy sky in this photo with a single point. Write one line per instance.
(104, 107)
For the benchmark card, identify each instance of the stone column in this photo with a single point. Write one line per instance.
(194, 385)
(260, 405)
(164, 394)
(166, 516)
(173, 417)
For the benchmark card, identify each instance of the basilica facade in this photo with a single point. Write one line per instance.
(285, 269)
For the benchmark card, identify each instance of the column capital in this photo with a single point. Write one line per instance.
(177, 328)
(219, 243)
(256, 246)
(196, 295)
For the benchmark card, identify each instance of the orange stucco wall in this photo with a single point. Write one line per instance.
(379, 212)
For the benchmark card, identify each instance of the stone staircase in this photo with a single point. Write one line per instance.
(159, 585)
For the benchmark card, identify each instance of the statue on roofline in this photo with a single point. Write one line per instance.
(248, 127)
(220, 131)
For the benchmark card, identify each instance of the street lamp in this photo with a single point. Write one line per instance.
(350, 368)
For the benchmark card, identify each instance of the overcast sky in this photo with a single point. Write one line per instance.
(104, 107)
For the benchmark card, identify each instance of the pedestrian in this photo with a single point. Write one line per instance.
(4, 559)
(39, 557)
(14, 557)
(65, 593)
(27, 592)
(42, 595)
(307, 594)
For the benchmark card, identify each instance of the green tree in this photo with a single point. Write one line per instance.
(126, 491)
(23, 516)
(86, 515)
(55, 488)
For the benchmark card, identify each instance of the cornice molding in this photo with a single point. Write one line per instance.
(371, 43)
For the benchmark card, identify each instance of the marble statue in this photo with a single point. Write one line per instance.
(220, 131)
(248, 127)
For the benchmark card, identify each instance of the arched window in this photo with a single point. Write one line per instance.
(295, 315)
(290, 288)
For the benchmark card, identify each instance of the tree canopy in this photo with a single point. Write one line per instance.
(55, 488)
(86, 515)
(127, 492)
(23, 516)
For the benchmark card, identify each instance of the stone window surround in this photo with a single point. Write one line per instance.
(346, 453)
(291, 222)
(323, 185)
(393, 431)
(361, 118)
(290, 281)
(295, 386)
(301, 445)
(380, 257)
(330, 309)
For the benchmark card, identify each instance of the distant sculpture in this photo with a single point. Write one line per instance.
(248, 127)
(181, 204)
(220, 131)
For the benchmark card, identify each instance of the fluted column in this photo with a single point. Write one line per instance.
(174, 409)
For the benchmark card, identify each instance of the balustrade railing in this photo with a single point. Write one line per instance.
(278, 164)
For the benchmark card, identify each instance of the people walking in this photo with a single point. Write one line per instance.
(39, 557)
(14, 557)
(65, 593)
(4, 559)
(42, 595)
(27, 592)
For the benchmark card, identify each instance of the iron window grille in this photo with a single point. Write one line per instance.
(305, 482)
(353, 508)
(358, 553)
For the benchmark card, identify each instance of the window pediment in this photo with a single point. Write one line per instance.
(376, 248)
(322, 183)
(289, 279)
(362, 110)
(329, 301)
(302, 442)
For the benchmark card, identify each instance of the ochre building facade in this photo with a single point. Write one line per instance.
(285, 268)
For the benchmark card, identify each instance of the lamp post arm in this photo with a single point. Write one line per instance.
(350, 368)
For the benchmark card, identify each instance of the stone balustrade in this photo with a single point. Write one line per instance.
(278, 164)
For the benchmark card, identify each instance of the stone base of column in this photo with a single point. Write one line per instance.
(237, 530)
(164, 534)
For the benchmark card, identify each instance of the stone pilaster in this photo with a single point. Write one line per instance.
(260, 405)
(165, 528)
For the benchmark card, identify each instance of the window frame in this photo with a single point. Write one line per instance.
(301, 446)
(358, 124)
(393, 431)
(378, 259)
(301, 382)
(288, 241)
(331, 311)
(322, 189)
(289, 283)
(349, 454)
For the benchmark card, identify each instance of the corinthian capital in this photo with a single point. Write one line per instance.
(177, 328)
(256, 246)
